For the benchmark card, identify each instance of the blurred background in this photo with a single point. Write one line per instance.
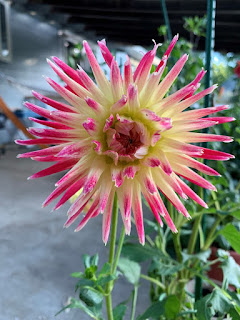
(36, 255)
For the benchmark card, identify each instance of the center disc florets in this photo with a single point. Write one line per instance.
(126, 139)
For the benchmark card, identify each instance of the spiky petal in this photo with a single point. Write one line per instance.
(124, 136)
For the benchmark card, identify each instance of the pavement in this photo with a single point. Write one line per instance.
(37, 255)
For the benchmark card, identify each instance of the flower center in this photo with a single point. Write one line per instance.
(127, 139)
(127, 142)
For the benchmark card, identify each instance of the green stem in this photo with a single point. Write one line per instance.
(134, 301)
(177, 246)
(178, 251)
(108, 296)
(176, 236)
(108, 300)
(192, 247)
(211, 235)
(198, 288)
(119, 249)
(158, 283)
(216, 202)
(194, 234)
(152, 244)
(181, 275)
(113, 231)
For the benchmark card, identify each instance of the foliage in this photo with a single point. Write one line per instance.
(91, 288)
(170, 298)
(181, 305)
(196, 25)
(222, 71)
(75, 55)
(162, 30)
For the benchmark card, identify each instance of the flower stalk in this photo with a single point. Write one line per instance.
(119, 249)
(134, 302)
(109, 286)
(194, 234)
(113, 258)
(212, 233)
(153, 280)
(177, 246)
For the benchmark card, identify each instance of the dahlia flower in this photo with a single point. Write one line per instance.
(124, 136)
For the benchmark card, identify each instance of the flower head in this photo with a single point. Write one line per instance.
(125, 136)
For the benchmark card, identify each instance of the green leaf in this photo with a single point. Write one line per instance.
(153, 68)
(101, 281)
(172, 307)
(222, 254)
(90, 261)
(130, 269)
(94, 260)
(162, 30)
(203, 312)
(168, 307)
(155, 311)
(86, 260)
(222, 212)
(91, 297)
(235, 213)
(202, 256)
(232, 235)
(119, 311)
(106, 269)
(218, 302)
(90, 272)
(71, 62)
(77, 275)
(150, 226)
(105, 275)
(183, 313)
(138, 253)
(77, 304)
(93, 300)
(236, 299)
(164, 267)
(84, 283)
(231, 270)
(234, 314)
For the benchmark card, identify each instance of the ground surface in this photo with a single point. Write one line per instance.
(36, 254)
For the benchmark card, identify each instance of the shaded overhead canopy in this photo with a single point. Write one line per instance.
(136, 21)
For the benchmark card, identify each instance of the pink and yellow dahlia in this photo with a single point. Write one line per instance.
(124, 136)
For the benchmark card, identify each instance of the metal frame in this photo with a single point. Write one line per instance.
(166, 19)
(210, 41)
